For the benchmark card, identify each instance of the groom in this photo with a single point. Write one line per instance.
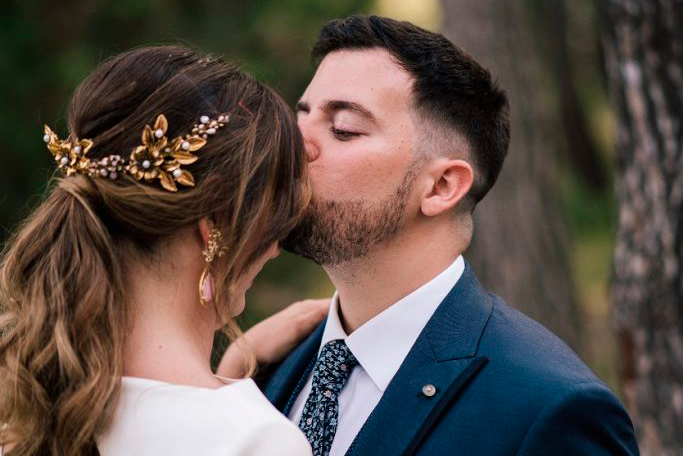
(405, 135)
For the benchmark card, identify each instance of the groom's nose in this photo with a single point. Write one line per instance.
(307, 128)
(312, 151)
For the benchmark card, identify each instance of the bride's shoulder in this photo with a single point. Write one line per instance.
(268, 432)
(176, 419)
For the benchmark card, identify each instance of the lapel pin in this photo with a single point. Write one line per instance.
(429, 390)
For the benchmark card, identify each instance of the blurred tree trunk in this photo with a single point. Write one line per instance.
(519, 250)
(643, 45)
(551, 18)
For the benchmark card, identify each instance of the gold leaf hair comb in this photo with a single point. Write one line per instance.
(156, 158)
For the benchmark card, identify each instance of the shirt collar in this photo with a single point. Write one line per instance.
(382, 343)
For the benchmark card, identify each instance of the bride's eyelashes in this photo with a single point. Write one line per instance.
(343, 135)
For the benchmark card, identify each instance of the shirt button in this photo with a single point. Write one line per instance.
(429, 390)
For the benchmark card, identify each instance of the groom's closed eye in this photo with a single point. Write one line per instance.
(343, 135)
(348, 120)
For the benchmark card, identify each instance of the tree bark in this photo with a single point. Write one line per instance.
(519, 250)
(643, 47)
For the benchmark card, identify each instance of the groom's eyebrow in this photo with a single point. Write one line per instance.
(332, 106)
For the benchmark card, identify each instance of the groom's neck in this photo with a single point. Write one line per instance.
(369, 285)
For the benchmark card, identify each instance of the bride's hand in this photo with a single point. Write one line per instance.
(273, 338)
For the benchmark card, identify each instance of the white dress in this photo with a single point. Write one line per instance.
(157, 418)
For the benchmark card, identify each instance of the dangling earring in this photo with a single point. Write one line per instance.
(206, 283)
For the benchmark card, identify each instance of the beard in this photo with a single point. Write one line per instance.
(334, 232)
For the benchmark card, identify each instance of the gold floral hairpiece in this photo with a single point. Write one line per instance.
(156, 158)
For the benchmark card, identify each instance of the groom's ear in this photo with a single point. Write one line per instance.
(448, 181)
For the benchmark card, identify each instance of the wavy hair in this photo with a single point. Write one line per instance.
(63, 312)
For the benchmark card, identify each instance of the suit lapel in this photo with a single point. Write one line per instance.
(444, 357)
(441, 406)
(291, 371)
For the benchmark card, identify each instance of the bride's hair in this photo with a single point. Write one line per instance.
(63, 313)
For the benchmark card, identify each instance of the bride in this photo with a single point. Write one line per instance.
(179, 176)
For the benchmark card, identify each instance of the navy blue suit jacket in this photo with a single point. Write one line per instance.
(504, 386)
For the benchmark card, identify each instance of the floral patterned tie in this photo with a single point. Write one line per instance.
(319, 417)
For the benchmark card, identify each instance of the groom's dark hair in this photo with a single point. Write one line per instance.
(450, 89)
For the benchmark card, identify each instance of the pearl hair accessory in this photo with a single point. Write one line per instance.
(156, 158)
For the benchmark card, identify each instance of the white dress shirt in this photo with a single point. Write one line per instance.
(157, 418)
(380, 346)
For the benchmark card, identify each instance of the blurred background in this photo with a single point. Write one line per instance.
(575, 232)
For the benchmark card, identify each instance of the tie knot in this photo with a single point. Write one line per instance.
(335, 364)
